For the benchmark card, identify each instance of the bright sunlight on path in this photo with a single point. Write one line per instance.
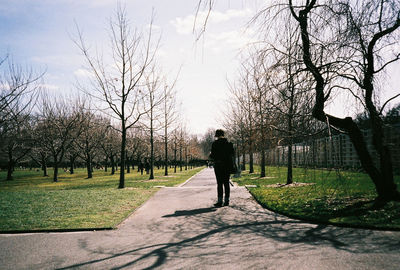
(178, 229)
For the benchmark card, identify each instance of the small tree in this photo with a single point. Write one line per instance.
(119, 85)
(60, 126)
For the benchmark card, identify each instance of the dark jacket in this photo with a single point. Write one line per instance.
(222, 152)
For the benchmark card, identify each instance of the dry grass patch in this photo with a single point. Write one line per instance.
(294, 184)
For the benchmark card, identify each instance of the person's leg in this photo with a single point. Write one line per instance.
(227, 190)
(220, 183)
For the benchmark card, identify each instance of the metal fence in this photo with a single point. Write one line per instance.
(335, 151)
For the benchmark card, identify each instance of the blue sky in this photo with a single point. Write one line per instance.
(38, 34)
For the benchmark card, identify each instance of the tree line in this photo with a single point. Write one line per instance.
(125, 115)
(312, 54)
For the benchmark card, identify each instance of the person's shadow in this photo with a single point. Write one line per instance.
(191, 212)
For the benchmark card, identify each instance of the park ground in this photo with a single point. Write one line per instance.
(32, 202)
(177, 228)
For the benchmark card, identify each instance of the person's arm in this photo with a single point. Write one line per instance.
(212, 154)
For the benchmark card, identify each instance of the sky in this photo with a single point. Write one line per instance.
(40, 33)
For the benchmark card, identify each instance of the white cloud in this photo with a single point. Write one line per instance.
(184, 25)
(83, 73)
(154, 27)
(235, 39)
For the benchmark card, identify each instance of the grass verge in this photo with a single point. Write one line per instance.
(325, 196)
(33, 202)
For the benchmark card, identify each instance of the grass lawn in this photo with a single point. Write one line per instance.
(328, 196)
(34, 202)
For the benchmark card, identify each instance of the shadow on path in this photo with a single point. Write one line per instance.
(260, 237)
(191, 212)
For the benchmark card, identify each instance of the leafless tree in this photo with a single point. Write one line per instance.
(61, 124)
(93, 128)
(290, 89)
(357, 39)
(120, 85)
(241, 97)
(259, 91)
(154, 97)
(170, 117)
(17, 142)
(19, 88)
(110, 147)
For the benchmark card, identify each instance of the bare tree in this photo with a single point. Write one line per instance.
(39, 153)
(93, 128)
(356, 37)
(259, 93)
(119, 86)
(170, 116)
(110, 147)
(18, 90)
(291, 90)
(17, 141)
(154, 99)
(60, 126)
(241, 95)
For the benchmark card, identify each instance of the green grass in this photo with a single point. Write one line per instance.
(334, 197)
(34, 202)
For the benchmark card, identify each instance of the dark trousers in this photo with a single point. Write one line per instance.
(222, 175)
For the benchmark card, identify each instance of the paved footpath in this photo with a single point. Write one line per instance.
(178, 229)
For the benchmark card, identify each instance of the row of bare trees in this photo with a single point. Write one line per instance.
(128, 112)
(65, 134)
(311, 53)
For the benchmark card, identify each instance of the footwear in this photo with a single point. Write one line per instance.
(226, 203)
(218, 204)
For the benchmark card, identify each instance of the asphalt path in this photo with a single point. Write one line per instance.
(179, 229)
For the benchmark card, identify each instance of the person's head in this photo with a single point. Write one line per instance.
(219, 133)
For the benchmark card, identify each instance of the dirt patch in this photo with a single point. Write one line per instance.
(265, 177)
(295, 184)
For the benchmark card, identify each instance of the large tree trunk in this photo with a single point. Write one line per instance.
(10, 169)
(262, 165)
(175, 156)
(72, 164)
(10, 165)
(251, 167)
(166, 157)
(44, 165)
(262, 174)
(186, 159)
(89, 167)
(122, 169)
(112, 164)
(289, 178)
(151, 152)
(243, 154)
(55, 174)
(180, 158)
(105, 164)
